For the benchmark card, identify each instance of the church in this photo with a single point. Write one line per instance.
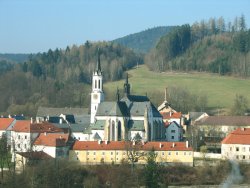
(130, 117)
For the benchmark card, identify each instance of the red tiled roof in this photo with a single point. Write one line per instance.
(122, 145)
(168, 115)
(54, 139)
(5, 123)
(225, 120)
(238, 136)
(27, 126)
(35, 155)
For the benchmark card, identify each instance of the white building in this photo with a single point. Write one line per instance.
(6, 124)
(25, 132)
(55, 145)
(236, 145)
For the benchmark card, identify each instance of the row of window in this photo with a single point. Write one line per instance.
(158, 153)
(243, 149)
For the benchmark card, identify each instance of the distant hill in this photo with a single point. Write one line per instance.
(144, 40)
(14, 58)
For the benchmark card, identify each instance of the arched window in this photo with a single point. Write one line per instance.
(119, 131)
(112, 131)
(99, 84)
(95, 84)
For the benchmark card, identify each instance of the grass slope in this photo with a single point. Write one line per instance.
(220, 90)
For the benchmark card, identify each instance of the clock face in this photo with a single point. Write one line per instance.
(95, 96)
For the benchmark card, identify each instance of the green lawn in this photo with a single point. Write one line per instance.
(221, 90)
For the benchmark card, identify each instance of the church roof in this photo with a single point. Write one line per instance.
(112, 109)
(136, 125)
(98, 125)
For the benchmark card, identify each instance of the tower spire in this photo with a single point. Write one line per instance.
(126, 86)
(98, 64)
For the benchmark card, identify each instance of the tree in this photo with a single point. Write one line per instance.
(240, 105)
(134, 152)
(5, 158)
(151, 171)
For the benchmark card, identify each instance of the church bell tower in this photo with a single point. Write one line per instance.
(97, 95)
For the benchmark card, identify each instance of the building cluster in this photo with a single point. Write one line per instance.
(111, 133)
(116, 130)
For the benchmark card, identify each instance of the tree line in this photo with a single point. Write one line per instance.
(60, 77)
(211, 46)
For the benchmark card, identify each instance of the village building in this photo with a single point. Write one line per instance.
(115, 152)
(174, 132)
(213, 129)
(55, 145)
(236, 146)
(6, 124)
(25, 132)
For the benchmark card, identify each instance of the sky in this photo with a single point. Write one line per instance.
(32, 26)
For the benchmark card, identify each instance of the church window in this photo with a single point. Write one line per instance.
(95, 83)
(99, 84)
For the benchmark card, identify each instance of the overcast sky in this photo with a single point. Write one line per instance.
(31, 26)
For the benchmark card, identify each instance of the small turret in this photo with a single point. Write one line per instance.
(126, 87)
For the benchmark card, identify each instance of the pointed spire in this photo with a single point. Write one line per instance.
(166, 92)
(126, 86)
(118, 95)
(98, 64)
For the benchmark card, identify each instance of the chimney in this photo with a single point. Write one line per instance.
(99, 142)
(60, 137)
(106, 142)
(243, 128)
(186, 144)
(173, 145)
(45, 133)
(143, 142)
(60, 120)
(161, 145)
(31, 120)
(133, 142)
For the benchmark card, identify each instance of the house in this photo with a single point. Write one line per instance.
(97, 152)
(22, 158)
(55, 145)
(24, 133)
(6, 124)
(236, 146)
(213, 129)
(174, 132)
(196, 116)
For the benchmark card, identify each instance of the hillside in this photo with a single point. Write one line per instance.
(145, 40)
(14, 58)
(220, 90)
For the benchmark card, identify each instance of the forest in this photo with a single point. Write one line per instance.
(62, 77)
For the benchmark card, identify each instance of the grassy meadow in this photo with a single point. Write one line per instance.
(220, 90)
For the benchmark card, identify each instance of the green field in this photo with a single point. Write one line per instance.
(220, 90)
